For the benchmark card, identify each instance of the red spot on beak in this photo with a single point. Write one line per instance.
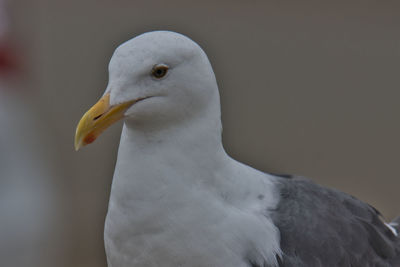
(89, 138)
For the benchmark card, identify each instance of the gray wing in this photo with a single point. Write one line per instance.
(325, 227)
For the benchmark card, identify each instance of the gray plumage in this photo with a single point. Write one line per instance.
(320, 226)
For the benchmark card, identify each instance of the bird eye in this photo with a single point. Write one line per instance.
(159, 71)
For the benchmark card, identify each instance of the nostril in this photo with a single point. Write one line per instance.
(95, 118)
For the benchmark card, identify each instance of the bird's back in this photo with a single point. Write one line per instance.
(325, 227)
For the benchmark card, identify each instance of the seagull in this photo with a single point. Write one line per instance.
(178, 199)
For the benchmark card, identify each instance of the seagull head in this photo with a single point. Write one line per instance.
(156, 79)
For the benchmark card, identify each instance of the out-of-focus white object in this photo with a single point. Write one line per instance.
(25, 193)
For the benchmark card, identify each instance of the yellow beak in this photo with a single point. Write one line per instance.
(98, 118)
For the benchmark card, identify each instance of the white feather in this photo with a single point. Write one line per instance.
(391, 227)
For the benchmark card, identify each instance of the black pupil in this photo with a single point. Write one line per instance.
(160, 72)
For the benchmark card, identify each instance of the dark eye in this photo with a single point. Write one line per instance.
(159, 71)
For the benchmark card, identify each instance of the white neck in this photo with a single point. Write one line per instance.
(194, 144)
(175, 182)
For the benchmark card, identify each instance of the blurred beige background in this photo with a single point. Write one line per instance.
(309, 88)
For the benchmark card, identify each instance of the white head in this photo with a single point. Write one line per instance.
(156, 79)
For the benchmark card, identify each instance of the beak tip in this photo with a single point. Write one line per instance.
(77, 147)
(78, 144)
